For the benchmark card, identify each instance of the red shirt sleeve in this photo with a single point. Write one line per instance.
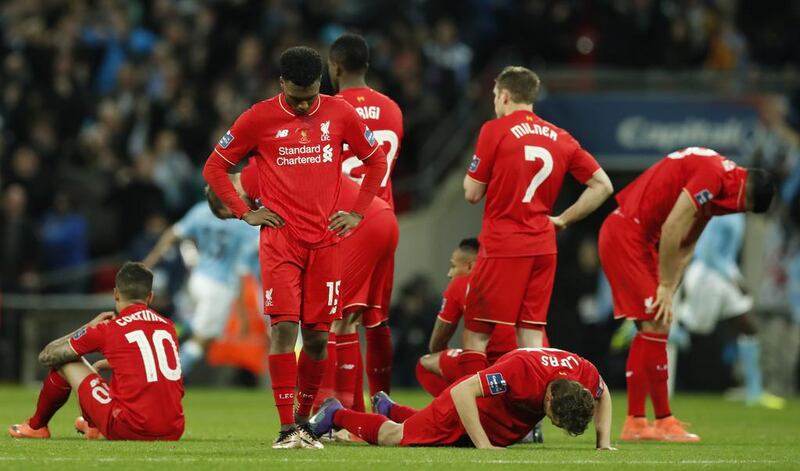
(89, 339)
(480, 168)
(232, 147)
(582, 165)
(452, 303)
(364, 146)
(705, 183)
(509, 376)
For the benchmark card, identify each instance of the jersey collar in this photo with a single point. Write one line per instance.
(132, 308)
(288, 109)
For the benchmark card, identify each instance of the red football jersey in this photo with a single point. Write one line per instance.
(300, 157)
(523, 159)
(146, 381)
(454, 301)
(384, 117)
(347, 196)
(715, 184)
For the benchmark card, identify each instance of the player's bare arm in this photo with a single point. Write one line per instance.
(602, 421)
(465, 396)
(474, 190)
(674, 231)
(168, 238)
(101, 365)
(59, 351)
(598, 189)
(441, 335)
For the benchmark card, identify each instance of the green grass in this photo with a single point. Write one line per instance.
(234, 428)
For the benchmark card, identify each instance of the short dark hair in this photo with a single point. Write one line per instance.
(469, 245)
(761, 189)
(134, 281)
(572, 406)
(350, 51)
(301, 65)
(215, 204)
(522, 83)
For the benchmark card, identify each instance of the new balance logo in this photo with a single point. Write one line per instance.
(282, 133)
(268, 297)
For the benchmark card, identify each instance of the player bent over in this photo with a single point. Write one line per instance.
(519, 166)
(644, 246)
(143, 399)
(439, 369)
(494, 408)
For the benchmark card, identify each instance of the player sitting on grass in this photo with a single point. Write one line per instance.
(494, 408)
(439, 369)
(143, 399)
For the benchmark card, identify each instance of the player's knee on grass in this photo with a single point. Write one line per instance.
(390, 434)
(530, 337)
(431, 363)
(283, 337)
(75, 372)
(315, 343)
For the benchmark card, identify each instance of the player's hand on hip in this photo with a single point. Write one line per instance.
(342, 222)
(663, 304)
(263, 217)
(559, 223)
(100, 318)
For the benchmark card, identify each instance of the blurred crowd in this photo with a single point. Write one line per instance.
(108, 108)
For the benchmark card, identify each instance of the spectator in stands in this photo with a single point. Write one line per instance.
(19, 248)
(65, 240)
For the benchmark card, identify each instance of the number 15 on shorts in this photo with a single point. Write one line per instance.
(333, 295)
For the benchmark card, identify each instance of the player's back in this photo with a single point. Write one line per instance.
(649, 199)
(219, 243)
(523, 159)
(146, 381)
(384, 117)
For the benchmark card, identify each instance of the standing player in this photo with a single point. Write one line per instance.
(143, 399)
(296, 138)
(644, 246)
(712, 291)
(494, 408)
(348, 62)
(519, 165)
(213, 284)
(439, 369)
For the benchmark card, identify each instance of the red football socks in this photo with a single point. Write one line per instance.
(283, 374)
(431, 382)
(348, 354)
(54, 394)
(471, 361)
(365, 426)
(328, 384)
(358, 392)
(309, 377)
(379, 359)
(655, 348)
(636, 377)
(399, 413)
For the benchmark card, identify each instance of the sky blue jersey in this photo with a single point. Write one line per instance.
(720, 244)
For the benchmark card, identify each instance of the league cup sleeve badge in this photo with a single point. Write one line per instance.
(497, 385)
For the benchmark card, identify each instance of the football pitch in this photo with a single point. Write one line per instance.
(234, 428)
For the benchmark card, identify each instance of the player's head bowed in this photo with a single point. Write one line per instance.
(571, 406)
(301, 72)
(349, 54)
(134, 282)
(759, 190)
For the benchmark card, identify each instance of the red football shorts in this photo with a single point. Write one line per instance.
(436, 425)
(631, 265)
(300, 284)
(368, 268)
(99, 407)
(448, 364)
(511, 291)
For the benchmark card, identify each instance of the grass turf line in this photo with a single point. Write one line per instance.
(234, 429)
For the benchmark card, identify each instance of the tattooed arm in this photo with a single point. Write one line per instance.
(59, 351)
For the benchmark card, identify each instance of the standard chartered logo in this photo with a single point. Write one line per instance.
(304, 155)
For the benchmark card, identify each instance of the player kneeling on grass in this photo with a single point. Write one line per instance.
(143, 399)
(494, 408)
